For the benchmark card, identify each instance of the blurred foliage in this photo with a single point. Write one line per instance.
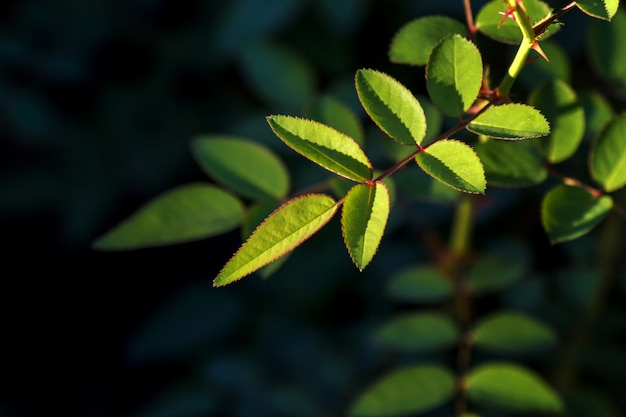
(99, 102)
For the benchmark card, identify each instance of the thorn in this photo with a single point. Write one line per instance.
(506, 14)
(538, 49)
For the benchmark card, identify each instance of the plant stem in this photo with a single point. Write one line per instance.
(469, 18)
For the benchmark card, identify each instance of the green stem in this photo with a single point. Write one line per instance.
(462, 227)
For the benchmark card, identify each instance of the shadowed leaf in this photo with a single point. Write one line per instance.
(418, 332)
(608, 155)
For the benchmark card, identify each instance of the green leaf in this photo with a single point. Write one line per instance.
(510, 121)
(248, 168)
(426, 32)
(511, 388)
(558, 102)
(601, 9)
(332, 112)
(277, 75)
(568, 212)
(420, 284)
(454, 74)
(606, 48)
(608, 155)
(510, 332)
(190, 212)
(598, 112)
(323, 145)
(489, 18)
(454, 163)
(392, 106)
(363, 221)
(284, 230)
(409, 390)
(418, 332)
(494, 272)
(511, 164)
(417, 184)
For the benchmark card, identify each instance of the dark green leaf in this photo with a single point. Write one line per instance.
(454, 75)
(455, 164)
(510, 121)
(418, 332)
(247, 167)
(392, 106)
(323, 145)
(363, 221)
(598, 112)
(608, 155)
(190, 212)
(420, 284)
(510, 332)
(558, 102)
(287, 227)
(421, 186)
(541, 71)
(415, 40)
(606, 47)
(511, 164)
(511, 388)
(413, 389)
(568, 212)
(494, 272)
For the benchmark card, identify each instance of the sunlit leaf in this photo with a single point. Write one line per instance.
(606, 47)
(426, 32)
(511, 164)
(332, 112)
(489, 20)
(568, 212)
(454, 163)
(363, 221)
(608, 155)
(420, 284)
(510, 121)
(392, 106)
(510, 332)
(277, 75)
(190, 212)
(454, 75)
(558, 102)
(409, 390)
(601, 9)
(418, 332)
(247, 167)
(494, 272)
(284, 230)
(511, 388)
(323, 145)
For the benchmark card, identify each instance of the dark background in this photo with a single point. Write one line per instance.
(98, 103)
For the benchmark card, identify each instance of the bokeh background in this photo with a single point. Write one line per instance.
(98, 103)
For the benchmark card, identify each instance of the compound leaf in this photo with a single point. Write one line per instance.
(608, 155)
(558, 102)
(248, 168)
(511, 332)
(190, 212)
(511, 388)
(418, 332)
(511, 164)
(601, 9)
(284, 230)
(420, 284)
(323, 145)
(511, 122)
(426, 32)
(568, 212)
(410, 390)
(363, 221)
(454, 163)
(392, 106)
(454, 74)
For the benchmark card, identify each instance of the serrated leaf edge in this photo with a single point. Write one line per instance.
(521, 138)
